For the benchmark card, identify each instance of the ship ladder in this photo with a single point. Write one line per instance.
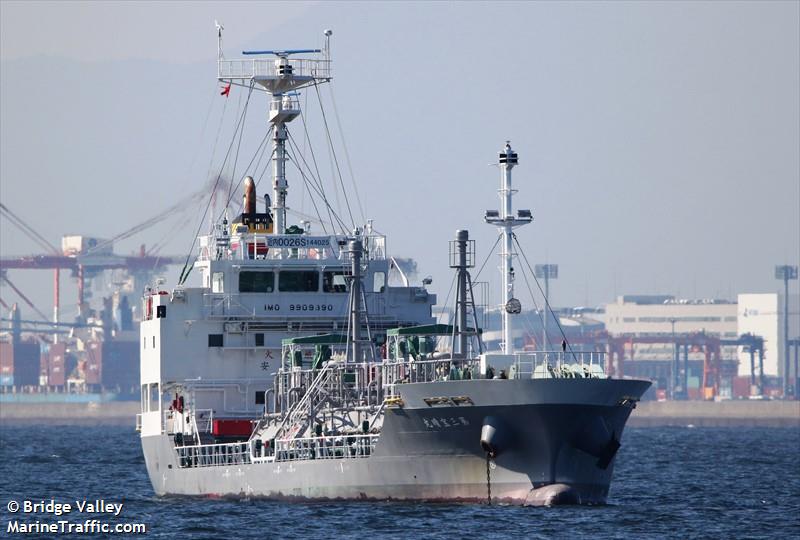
(292, 417)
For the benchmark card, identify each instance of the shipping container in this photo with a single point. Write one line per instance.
(27, 364)
(94, 362)
(741, 387)
(56, 364)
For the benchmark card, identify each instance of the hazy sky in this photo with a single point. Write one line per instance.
(659, 143)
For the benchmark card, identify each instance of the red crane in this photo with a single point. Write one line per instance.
(78, 263)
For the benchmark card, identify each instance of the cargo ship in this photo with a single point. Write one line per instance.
(297, 370)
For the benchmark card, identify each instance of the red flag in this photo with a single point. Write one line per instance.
(226, 91)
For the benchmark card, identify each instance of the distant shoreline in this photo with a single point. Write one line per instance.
(113, 413)
(740, 413)
(732, 413)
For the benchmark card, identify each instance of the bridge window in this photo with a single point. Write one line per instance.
(260, 282)
(298, 281)
(334, 281)
(215, 340)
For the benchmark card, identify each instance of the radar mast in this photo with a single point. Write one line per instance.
(280, 76)
(505, 220)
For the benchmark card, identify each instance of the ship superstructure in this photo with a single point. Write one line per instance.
(262, 281)
(296, 371)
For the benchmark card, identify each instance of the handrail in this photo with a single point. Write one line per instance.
(331, 447)
(540, 364)
(559, 364)
(320, 379)
(355, 446)
(207, 417)
(213, 455)
(430, 370)
(261, 67)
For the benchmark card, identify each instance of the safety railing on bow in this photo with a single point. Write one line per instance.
(558, 365)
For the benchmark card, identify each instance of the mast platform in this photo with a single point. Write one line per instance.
(278, 75)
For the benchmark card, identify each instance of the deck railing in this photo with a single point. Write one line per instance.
(310, 448)
(213, 455)
(558, 364)
(536, 365)
(202, 421)
(416, 371)
(338, 447)
(271, 67)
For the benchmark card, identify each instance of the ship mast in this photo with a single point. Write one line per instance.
(505, 220)
(280, 77)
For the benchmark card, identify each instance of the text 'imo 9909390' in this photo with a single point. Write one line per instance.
(302, 368)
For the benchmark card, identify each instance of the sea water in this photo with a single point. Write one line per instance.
(668, 483)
